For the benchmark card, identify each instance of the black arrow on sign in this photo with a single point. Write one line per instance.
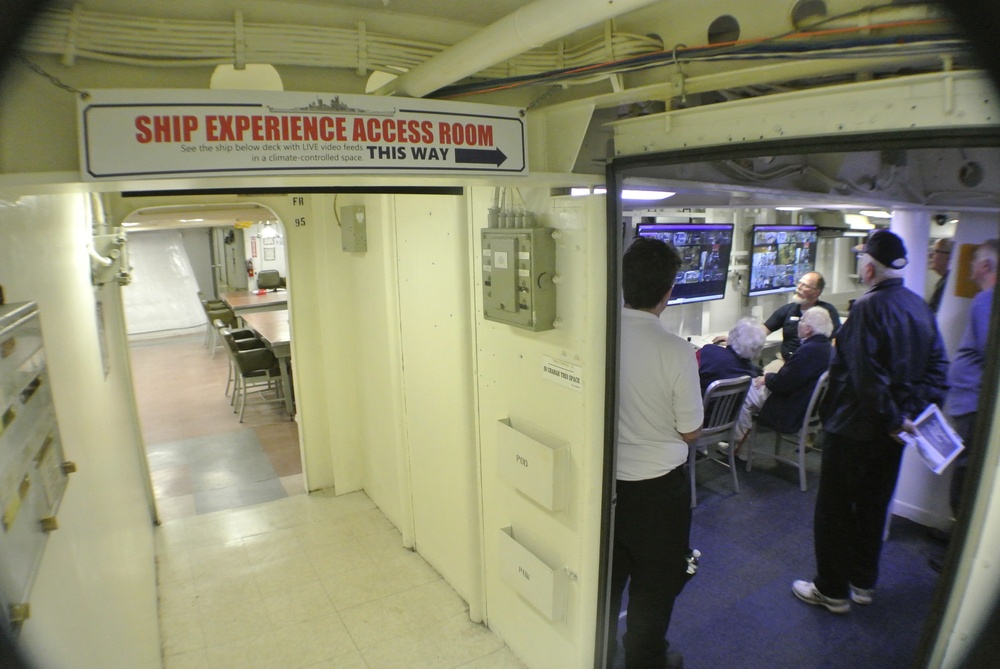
(480, 156)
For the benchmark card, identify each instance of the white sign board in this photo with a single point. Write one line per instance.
(138, 133)
(563, 373)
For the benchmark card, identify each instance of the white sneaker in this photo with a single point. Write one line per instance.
(807, 592)
(863, 596)
(723, 449)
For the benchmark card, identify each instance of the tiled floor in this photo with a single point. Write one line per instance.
(302, 580)
(201, 458)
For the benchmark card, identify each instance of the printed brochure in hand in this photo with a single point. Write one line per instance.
(935, 440)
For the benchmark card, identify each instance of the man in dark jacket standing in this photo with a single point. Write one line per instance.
(889, 364)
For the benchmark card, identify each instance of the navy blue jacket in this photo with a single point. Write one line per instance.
(787, 318)
(888, 364)
(721, 362)
(792, 386)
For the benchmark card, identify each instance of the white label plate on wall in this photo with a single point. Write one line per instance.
(563, 373)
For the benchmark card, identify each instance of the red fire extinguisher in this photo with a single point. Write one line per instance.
(250, 268)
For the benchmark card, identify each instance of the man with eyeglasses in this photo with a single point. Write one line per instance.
(940, 255)
(807, 292)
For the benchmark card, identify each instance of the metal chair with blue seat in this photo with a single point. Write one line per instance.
(723, 401)
(811, 425)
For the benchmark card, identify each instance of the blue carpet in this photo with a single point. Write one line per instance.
(739, 611)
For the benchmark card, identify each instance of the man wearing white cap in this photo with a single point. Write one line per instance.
(889, 364)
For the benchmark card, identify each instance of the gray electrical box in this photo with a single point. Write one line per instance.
(353, 230)
(519, 265)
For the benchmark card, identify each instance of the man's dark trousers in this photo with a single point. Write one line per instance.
(652, 531)
(856, 485)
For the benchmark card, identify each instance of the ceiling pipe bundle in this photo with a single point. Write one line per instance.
(529, 27)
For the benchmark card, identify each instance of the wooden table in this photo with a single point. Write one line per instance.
(272, 328)
(247, 302)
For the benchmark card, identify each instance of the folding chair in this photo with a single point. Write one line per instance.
(723, 402)
(810, 425)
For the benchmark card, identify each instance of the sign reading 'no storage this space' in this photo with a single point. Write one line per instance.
(160, 133)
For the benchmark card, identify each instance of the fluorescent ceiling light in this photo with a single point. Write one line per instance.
(788, 208)
(597, 190)
(875, 213)
(629, 194)
(858, 222)
(129, 224)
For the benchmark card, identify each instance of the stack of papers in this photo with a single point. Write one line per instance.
(935, 440)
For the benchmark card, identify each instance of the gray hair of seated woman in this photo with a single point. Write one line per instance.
(818, 319)
(747, 338)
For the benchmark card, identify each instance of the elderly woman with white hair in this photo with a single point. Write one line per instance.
(738, 358)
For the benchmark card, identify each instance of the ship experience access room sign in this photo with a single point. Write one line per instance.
(170, 133)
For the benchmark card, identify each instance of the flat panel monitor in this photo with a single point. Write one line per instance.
(704, 251)
(780, 255)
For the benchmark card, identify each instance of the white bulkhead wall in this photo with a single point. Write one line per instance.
(94, 601)
(404, 382)
(511, 386)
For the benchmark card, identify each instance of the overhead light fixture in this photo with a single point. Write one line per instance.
(268, 231)
(875, 213)
(129, 224)
(627, 194)
(788, 208)
(858, 222)
(630, 194)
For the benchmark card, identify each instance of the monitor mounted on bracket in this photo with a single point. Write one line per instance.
(779, 256)
(704, 249)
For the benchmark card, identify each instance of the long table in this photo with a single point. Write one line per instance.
(272, 328)
(248, 302)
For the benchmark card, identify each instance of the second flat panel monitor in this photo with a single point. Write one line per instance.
(704, 251)
(781, 254)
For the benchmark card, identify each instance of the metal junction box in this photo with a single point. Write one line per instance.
(519, 265)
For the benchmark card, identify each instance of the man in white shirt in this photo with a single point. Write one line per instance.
(659, 413)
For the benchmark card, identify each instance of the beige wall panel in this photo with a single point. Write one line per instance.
(435, 322)
(94, 601)
(512, 385)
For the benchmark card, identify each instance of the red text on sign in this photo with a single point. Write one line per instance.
(165, 128)
(465, 134)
